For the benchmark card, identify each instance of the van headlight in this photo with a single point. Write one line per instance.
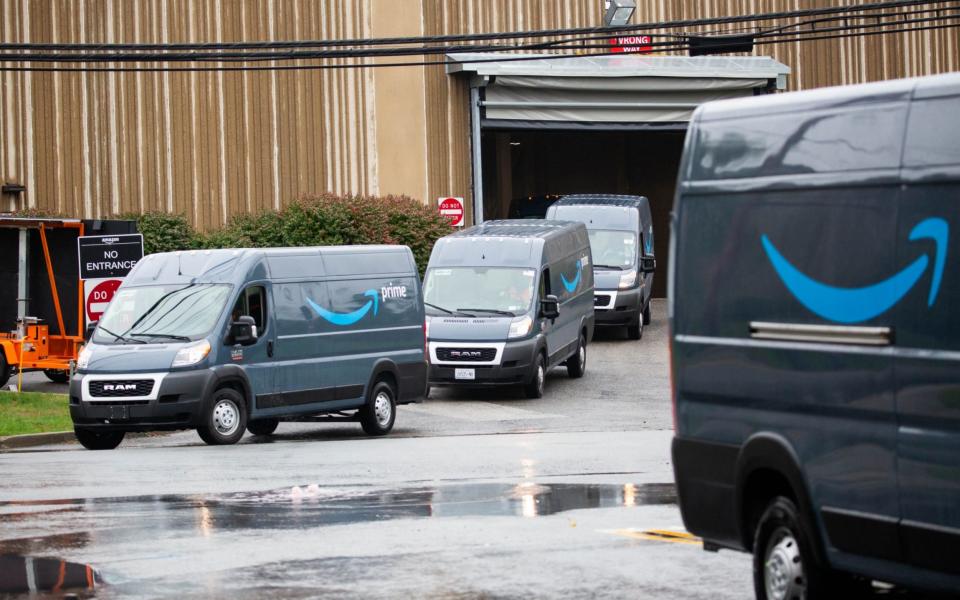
(520, 327)
(191, 354)
(83, 359)
(628, 279)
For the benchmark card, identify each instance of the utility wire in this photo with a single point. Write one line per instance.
(415, 51)
(853, 8)
(809, 35)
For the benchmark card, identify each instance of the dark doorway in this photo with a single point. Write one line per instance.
(524, 171)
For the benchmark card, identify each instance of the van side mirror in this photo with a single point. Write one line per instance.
(88, 332)
(243, 331)
(648, 264)
(550, 307)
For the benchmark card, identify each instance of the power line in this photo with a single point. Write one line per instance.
(608, 31)
(809, 35)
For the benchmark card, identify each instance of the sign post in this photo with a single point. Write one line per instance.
(451, 208)
(104, 261)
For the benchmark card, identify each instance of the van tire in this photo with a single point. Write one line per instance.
(577, 364)
(380, 412)
(534, 389)
(262, 426)
(224, 418)
(57, 375)
(5, 369)
(98, 440)
(783, 555)
(635, 330)
(646, 314)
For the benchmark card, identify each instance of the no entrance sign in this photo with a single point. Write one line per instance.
(451, 208)
(106, 256)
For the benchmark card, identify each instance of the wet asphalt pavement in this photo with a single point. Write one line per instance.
(474, 495)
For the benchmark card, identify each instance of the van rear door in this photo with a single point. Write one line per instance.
(928, 338)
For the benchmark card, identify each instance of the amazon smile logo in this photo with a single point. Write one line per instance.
(349, 318)
(855, 305)
(571, 285)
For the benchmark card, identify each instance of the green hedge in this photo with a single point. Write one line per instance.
(324, 220)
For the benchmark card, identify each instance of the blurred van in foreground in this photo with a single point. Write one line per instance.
(814, 292)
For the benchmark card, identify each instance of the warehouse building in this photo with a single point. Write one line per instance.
(508, 136)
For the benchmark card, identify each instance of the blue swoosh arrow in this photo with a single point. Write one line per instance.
(349, 318)
(649, 243)
(572, 285)
(854, 305)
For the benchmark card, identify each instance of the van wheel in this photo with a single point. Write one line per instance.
(4, 369)
(57, 375)
(635, 330)
(534, 389)
(646, 314)
(262, 426)
(784, 566)
(224, 419)
(98, 440)
(577, 364)
(379, 413)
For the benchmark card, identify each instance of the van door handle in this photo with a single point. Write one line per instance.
(270, 349)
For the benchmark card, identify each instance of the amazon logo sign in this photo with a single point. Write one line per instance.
(371, 307)
(856, 305)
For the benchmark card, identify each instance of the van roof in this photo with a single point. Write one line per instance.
(237, 265)
(518, 228)
(847, 96)
(619, 200)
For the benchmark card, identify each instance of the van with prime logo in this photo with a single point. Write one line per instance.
(621, 242)
(508, 300)
(224, 341)
(813, 294)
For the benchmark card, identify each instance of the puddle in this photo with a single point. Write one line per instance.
(29, 575)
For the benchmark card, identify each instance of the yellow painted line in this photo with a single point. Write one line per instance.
(660, 535)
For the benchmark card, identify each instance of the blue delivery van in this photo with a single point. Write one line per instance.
(621, 242)
(508, 300)
(814, 292)
(223, 341)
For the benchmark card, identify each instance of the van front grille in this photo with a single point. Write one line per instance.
(466, 354)
(125, 388)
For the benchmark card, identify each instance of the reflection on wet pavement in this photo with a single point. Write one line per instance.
(24, 574)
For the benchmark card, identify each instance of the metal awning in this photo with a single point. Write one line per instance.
(618, 91)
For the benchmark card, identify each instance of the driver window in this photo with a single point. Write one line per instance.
(252, 302)
(544, 284)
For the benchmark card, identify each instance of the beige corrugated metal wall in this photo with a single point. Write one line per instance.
(213, 144)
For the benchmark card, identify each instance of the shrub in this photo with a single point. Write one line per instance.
(164, 232)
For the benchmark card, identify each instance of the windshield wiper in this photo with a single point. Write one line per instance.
(117, 336)
(617, 267)
(171, 336)
(505, 313)
(446, 310)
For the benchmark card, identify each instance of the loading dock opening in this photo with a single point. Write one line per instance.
(549, 126)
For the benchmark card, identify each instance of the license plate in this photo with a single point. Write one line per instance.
(464, 374)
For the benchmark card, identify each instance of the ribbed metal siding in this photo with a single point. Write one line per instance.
(208, 145)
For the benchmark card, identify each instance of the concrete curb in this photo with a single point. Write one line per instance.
(28, 440)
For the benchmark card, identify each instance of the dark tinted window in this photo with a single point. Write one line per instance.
(933, 133)
(252, 303)
(812, 142)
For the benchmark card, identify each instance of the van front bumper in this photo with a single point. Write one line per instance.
(175, 403)
(515, 365)
(623, 307)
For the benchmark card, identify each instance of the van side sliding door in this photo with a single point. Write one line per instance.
(927, 364)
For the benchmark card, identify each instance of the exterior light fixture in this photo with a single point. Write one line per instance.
(618, 13)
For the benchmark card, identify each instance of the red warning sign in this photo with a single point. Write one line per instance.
(452, 208)
(632, 44)
(99, 294)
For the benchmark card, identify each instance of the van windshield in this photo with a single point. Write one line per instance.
(616, 249)
(479, 290)
(161, 314)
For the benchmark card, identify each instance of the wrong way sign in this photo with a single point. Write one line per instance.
(451, 208)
